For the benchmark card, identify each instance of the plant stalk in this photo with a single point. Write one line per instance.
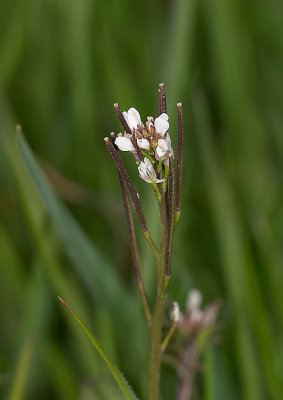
(157, 320)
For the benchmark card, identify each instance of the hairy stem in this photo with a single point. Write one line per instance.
(134, 248)
(171, 216)
(179, 162)
(156, 328)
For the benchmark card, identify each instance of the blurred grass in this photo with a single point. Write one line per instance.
(62, 66)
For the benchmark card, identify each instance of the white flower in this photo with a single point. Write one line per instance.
(143, 144)
(133, 118)
(161, 124)
(175, 312)
(146, 171)
(124, 143)
(194, 300)
(162, 148)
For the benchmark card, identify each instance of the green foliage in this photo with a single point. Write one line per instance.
(119, 378)
(62, 66)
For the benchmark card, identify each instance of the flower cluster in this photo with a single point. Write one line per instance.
(196, 318)
(150, 143)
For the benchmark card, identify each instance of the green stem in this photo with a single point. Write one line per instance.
(168, 336)
(151, 242)
(156, 192)
(166, 175)
(156, 328)
(155, 348)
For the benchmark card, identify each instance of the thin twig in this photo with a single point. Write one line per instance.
(122, 119)
(159, 102)
(163, 107)
(167, 338)
(151, 243)
(134, 248)
(171, 209)
(138, 150)
(123, 172)
(179, 162)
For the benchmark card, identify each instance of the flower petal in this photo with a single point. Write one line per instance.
(194, 300)
(161, 124)
(146, 171)
(134, 118)
(124, 143)
(165, 116)
(175, 312)
(143, 144)
(168, 141)
(161, 148)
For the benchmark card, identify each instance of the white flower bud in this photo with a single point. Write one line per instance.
(175, 312)
(194, 300)
(161, 124)
(143, 144)
(161, 148)
(147, 171)
(124, 143)
(133, 118)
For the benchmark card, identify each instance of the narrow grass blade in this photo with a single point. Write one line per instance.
(119, 378)
(19, 383)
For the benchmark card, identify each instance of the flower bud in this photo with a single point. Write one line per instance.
(143, 144)
(175, 312)
(147, 171)
(194, 300)
(162, 148)
(133, 118)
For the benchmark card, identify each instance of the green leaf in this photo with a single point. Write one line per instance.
(100, 279)
(19, 383)
(119, 378)
(94, 270)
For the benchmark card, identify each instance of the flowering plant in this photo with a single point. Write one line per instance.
(150, 145)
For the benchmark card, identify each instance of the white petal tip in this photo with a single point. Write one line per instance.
(179, 104)
(194, 300)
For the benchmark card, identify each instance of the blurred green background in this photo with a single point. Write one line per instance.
(62, 66)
